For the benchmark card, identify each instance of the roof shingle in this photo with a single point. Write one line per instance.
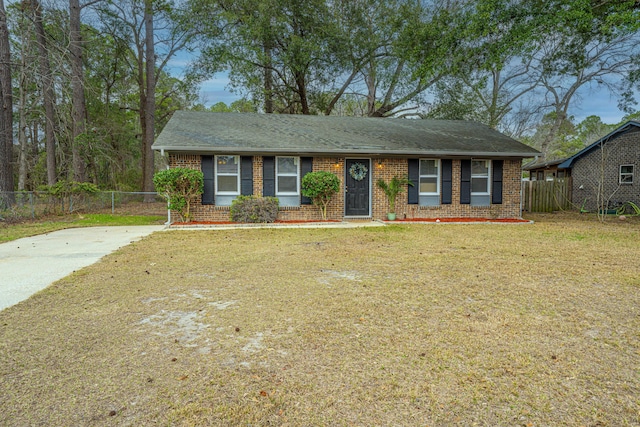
(247, 133)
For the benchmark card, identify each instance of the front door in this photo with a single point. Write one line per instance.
(357, 187)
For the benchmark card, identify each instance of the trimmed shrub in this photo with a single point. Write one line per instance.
(320, 187)
(181, 187)
(254, 209)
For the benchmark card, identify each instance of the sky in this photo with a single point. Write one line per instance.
(592, 101)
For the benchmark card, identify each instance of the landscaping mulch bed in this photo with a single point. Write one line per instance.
(404, 325)
(281, 222)
(461, 220)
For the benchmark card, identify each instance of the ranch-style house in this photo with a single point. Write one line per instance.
(459, 169)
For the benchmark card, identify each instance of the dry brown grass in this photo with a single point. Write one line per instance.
(407, 325)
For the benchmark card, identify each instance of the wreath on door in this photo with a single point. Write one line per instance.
(358, 171)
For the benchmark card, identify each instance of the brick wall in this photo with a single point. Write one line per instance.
(600, 166)
(380, 169)
(510, 207)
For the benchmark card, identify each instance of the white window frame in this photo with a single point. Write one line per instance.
(296, 161)
(488, 177)
(437, 176)
(237, 175)
(621, 174)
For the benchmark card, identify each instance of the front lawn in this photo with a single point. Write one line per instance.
(26, 228)
(406, 325)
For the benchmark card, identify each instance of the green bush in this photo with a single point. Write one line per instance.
(320, 187)
(254, 209)
(66, 192)
(181, 187)
(392, 189)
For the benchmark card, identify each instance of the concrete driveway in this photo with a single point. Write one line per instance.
(33, 263)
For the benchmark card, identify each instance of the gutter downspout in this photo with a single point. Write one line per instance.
(168, 201)
(522, 187)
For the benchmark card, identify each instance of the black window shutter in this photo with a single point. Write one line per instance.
(447, 187)
(414, 176)
(496, 185)
(246, 175)
(465, 182)
(269, 176)
(306, 166)
(208, 173)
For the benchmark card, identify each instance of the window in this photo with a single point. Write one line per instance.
(626, 174)
(480, 176)
(429, 176)
(287, 173)
(228, 175)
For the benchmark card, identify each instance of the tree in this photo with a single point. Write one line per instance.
(180, 187)
(320, 187)
(239, 106)
(496, 74)
(305, 57)
(592, 129)
(153, 34)
(149, 98)
(78, 100)
(564, 143)
(583, 43)
(277, 50)
(6, 107)
(47, 90)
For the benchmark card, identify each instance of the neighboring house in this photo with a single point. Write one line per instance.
(546, 171)
(459, 169)
(605, 173)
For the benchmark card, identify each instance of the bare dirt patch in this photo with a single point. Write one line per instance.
(401, 325)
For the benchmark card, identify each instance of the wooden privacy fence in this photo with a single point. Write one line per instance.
(546, 196)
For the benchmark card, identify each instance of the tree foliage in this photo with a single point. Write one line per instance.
(180, 187)
(320, 187)
(106, 145)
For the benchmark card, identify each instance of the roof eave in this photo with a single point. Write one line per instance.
(344, 152)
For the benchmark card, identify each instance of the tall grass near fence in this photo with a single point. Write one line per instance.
(18, 206)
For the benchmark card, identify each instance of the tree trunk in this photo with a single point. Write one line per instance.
(48, 94)
(268, 80)
(78, 107)
(22, 119)
(561, 116)
(6, 108)
(150, 103)
(302, 92)
(370, 79)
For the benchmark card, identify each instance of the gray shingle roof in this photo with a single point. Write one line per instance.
(246, 133)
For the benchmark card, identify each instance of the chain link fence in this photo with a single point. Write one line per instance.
(32, 204)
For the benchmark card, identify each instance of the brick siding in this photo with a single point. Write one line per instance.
(588, 170)
(385, 168)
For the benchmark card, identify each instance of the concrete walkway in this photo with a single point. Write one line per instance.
(30, 264)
